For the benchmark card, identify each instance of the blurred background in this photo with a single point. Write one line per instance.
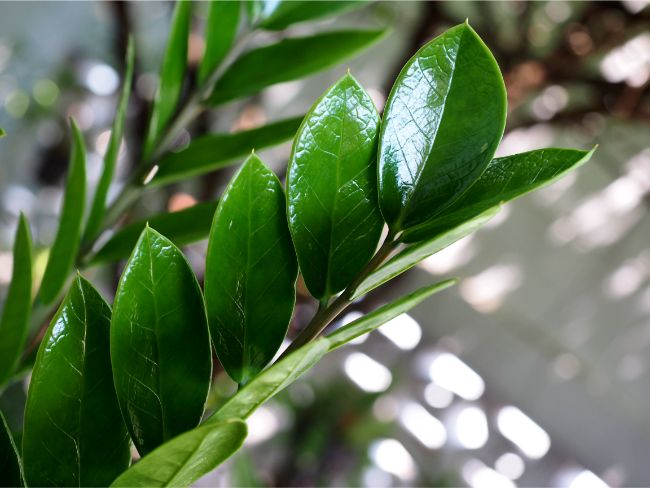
(532, 372)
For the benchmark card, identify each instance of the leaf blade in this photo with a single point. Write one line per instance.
(12, 469)
(220, 32)
(286, 13)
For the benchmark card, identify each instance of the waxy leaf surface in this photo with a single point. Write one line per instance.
(18, 303)
(220, 31)
(331, 188)
(160, 347)
(251, 272)
(442, 123)
(11, 473)
(74, 434)
(275, 16)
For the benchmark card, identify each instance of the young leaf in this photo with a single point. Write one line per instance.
(97, 210)
(504, 179)
(184, 459)
(331, 188)
(183, 227)
(214, 151)
(415, 253)
(11, 473)
(220, 31)
(287, 60)
(442, 123)
(250, 272)
(277, 16)
(74, 434)
(160, 347)
(171, 75)
(271, 381)
(18, 304)
(66, 242)
(2, 132)
(383, 314)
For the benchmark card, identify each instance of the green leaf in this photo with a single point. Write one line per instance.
(250, 272)
(220, 31)
(214, 151)
(183, 227)
(412, 255)
(383, 314)
(184, 459)
(289, 59)
(160, 346)
(504, 179)
(18, 303)
(278, 16)
(271, 381)
(11, 473)
(171, 75)
(332, 188)
(74, 434)
(66, 243)
(2, 132)
(442, 123)
(94, 222)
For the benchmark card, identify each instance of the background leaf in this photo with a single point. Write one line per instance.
(66, 242)
(11, 473)
(331, 188)
(74, 434)
(160, 347)
(250, 272)
(184, 459)
(442, 123)
(18, 303)
(278, 16)
(287, 60)
(214, 151)
(220, 32)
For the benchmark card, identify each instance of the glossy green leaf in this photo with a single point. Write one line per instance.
(332, 188)
(172, 73)
(413, 254)
(97, 210)
(214, 151)
(11, 470)
(250, 272)
(74, 434)
(271, 381)
(371, 321)
(18, 303)
(66, 242)
(442, 123)
(277, 16)
(182, 227)
(504, 179)
(220, 31)
(160, 346)
(184, 459)
(287, 60)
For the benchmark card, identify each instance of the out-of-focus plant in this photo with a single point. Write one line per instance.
(424, 172)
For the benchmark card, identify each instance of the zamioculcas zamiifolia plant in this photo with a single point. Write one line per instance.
(422, 175)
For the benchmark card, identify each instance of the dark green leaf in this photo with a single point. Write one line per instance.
(412, 255)
(18, 304)
(184, 459)
(383, 314)
(271, 381)
(11, 472)
(332, 188)
(504, 179)
(183, 227)
(171, 75)
(250, 272)
(160, 346)
(442, 123)
(97, 210)
(220, 32)
(214, 151)
(287, 60)
(280, 15)
(74, 434)
(66, 243)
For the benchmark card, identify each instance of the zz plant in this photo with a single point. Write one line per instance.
(366, 198)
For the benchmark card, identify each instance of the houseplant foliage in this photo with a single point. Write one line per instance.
(424, 171)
